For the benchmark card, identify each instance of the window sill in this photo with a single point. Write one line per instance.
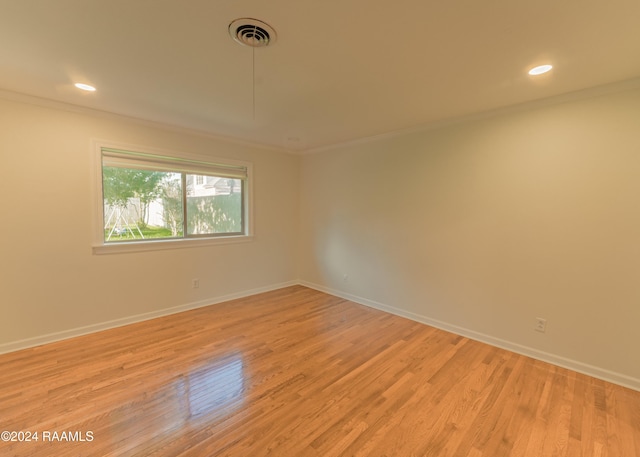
(161, 245)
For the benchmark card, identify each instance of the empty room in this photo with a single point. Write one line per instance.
(306, 229)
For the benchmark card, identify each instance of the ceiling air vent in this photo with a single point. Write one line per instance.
(252, 32)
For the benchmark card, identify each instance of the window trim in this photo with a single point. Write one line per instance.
(100, 247)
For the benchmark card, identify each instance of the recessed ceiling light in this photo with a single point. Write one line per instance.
(535, 71)
(86, 87)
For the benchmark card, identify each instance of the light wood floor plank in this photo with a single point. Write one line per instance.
(296, 372)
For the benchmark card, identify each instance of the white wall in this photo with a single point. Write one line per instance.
(478, 227)
(483, 226)
(51, 283)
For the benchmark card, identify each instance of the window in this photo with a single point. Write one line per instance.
(149, 198)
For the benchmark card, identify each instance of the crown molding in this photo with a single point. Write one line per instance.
(583, 94)
(69, 107)
(592, 92)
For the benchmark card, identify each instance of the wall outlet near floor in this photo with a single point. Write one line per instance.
(345, 277)
(195, 283)
(541, 325)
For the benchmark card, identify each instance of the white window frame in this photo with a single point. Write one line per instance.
(99, 245)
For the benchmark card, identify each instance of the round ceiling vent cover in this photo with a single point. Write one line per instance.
(252, 32)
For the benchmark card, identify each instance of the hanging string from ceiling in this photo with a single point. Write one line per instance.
(255, 34)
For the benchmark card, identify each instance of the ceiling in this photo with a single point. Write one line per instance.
(338, 71)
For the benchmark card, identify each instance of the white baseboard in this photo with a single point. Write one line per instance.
(71, 333)
(580, 367)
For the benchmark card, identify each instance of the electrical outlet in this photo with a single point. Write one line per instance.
(541, 325)
(195, 283)
(345, 277)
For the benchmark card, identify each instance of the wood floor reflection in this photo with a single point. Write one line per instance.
(296, 372)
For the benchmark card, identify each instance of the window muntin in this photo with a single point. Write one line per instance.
(149, 197)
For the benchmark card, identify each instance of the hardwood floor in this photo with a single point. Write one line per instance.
(296, 372)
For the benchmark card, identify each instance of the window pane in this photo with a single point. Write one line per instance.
(214, 205)
(141, 204)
